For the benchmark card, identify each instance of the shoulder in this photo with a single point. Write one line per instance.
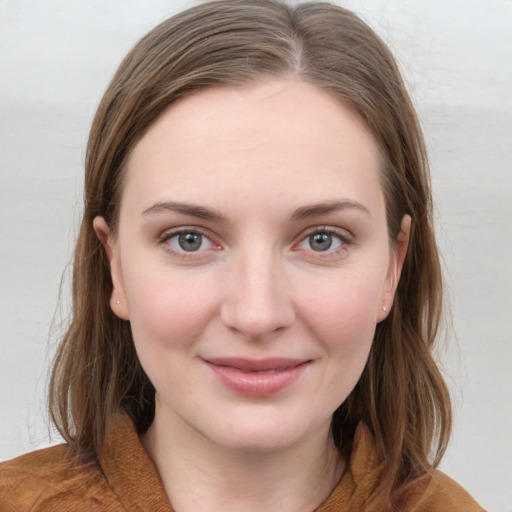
(432, 491)
(444, 494)
(52, 479)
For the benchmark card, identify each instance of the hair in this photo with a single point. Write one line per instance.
(401, 395)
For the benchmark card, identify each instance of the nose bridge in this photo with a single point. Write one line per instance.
(257, 301)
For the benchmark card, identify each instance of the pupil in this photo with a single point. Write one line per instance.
(320, 241)
(190, 241)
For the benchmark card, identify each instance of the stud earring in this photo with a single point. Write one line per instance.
(385, 309)
(118, 302)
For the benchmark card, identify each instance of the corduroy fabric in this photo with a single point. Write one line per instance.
(125, 479)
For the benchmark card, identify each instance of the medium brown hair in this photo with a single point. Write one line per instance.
(401, 394)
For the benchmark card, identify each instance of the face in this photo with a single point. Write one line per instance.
(252, 260)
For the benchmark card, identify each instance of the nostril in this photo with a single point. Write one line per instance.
(255, 324)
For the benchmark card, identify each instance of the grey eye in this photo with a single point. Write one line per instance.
(190, 242)
(320, 241)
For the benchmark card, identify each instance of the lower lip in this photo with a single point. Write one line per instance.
(254, 383)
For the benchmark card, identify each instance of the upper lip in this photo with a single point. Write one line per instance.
(257, 365)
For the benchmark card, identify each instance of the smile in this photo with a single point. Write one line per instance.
(257, 377)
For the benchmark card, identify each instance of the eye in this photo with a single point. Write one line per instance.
(188, 241)
(322, 241)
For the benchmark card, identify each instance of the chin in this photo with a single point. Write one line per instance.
(260, 443)
(268, 436)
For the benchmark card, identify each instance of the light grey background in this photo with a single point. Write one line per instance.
(56, 58)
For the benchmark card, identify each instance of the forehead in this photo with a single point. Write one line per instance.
(278, 138)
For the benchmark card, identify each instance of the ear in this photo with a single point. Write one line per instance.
(118, 301)
(396, 263)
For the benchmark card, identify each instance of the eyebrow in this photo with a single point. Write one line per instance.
(187, 209)
(304, 212)
(314, 210)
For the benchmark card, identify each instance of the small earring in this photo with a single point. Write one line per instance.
(385, 309)
(118, 302)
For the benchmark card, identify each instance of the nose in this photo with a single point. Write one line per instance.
(257, 301)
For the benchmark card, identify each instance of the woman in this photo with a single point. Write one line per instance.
(256, 287)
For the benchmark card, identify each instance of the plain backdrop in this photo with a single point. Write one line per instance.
(56, 58)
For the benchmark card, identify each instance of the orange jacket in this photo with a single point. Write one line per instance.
(125, 479)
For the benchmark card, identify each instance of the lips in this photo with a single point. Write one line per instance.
(257, 377)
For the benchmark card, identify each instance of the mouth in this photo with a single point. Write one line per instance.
(257, 377)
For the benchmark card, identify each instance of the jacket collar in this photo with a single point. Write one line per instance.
(135, 480)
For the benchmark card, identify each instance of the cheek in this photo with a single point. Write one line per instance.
(344, 323)
(168, 315)
(342, 314)
(168, 309)
(349, 301)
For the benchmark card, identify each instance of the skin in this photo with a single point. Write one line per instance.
(260, 157)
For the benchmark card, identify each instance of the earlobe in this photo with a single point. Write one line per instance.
(118, 302)
(396, 264)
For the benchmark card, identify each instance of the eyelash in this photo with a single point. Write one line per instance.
(344, 241)
(169, 235)
(343, 237)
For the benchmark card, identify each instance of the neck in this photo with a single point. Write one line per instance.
(199, 474)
